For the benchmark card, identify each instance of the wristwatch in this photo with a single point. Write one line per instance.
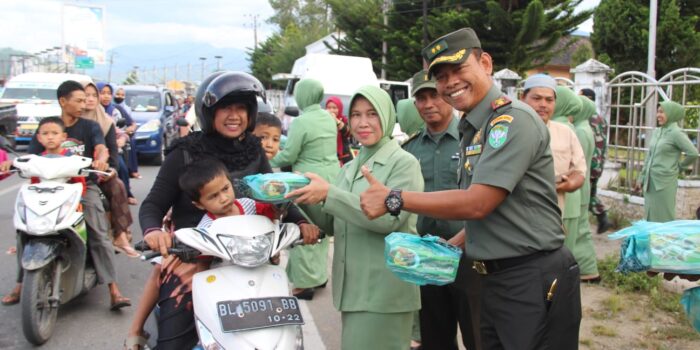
(394, 202)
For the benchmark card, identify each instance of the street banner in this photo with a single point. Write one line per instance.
(78, 39)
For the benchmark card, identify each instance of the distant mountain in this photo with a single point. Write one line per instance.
(146, 57)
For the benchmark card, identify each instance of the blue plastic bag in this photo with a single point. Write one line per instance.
(664, 247)
(691, 304)
(272, 188)
(421, 260)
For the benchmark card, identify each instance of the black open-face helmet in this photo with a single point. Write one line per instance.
(225, 89)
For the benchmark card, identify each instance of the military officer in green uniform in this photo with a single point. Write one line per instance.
(436, 147)
(530, 297)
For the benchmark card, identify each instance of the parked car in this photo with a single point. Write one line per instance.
(34, 97)
(155, 112)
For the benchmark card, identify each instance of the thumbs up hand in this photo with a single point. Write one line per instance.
(372, 199)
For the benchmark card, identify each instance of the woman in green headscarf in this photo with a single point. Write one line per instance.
(311, 146)
(579, 240)
(377, 307)
(408, 117)
(568, 105)
(659, 176)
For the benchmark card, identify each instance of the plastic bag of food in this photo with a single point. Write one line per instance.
(421, 260)
(272, 188)
(664, 247)
(691, 304)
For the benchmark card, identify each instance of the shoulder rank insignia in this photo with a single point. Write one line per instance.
(500, 102)
(501, 119)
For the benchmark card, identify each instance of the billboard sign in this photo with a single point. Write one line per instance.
(80, 40)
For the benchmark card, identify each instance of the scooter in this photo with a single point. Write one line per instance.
(52, 240)
(244, 302)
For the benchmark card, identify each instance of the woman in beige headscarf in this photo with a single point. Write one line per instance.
(113, 188)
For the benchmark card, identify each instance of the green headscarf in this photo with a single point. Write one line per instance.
(408, 116)
(587, 110)
(308, 93)
(567, 104)
(674, 112)
(381, 101)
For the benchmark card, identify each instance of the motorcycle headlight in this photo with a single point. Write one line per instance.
(150, 126)
(66, 208)
(39, 224)
(21, 209)
(248, 251)
(206, 339)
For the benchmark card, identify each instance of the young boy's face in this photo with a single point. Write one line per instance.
(217, 197)
(270, 138)
(51, 136)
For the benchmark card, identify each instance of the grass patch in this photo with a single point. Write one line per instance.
(618, 220)
(678, 332)
(586, 342)
(630, 282)
(613, 304)
(603, 331)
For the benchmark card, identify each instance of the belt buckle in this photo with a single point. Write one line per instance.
(480, 267)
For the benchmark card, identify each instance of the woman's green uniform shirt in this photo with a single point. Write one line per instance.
(659, 175)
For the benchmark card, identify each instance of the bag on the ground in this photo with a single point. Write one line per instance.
(672, 246)
(272, 187)
(691, 304)
(421, 260)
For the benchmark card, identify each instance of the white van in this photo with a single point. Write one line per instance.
(34, 96)
(340, 76)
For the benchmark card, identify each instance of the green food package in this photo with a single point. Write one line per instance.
(272, 188)
(421, 260)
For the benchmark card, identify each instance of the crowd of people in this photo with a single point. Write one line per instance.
(476, 169)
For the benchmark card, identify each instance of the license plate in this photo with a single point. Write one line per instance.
(240, 315)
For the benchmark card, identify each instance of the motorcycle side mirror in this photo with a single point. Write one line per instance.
(286, 235)
(291, 111)
(121, 123)
(7, 146)
(182, 122)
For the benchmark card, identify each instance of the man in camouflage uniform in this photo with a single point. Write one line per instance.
(600, 136)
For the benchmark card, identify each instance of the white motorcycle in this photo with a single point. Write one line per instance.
(53, 240)
(244, 302)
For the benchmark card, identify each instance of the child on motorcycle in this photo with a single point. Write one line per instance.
(51, 133)
(209, 186)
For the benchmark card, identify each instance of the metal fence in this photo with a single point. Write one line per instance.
(631, 105)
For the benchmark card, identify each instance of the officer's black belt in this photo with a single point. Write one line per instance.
(486, 267)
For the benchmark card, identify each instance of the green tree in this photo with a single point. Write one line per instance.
(519, 34)
(301, 22)
(583, 53)
(621, 32)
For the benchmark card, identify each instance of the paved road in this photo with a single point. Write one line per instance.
(87, 323)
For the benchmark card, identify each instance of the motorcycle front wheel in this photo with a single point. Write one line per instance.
(38, 315)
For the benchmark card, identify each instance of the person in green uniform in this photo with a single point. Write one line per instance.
(579, 241)
(376, 306)
(567, 105)
(530, 297)
(311, 146)
(659, 176)
(436, 146)
(408, 117)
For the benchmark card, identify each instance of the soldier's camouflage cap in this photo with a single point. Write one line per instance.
(421, 81)
(453, 48)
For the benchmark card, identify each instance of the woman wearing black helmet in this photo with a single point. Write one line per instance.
(226, 106)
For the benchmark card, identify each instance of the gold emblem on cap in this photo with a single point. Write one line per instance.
(450, 58)
(211, 279)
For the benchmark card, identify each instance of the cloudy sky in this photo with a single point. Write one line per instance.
(33, 25)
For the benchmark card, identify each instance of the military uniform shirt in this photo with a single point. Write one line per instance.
(438, 155)
(507, 146)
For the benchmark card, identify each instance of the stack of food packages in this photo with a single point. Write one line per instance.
(669, 247)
